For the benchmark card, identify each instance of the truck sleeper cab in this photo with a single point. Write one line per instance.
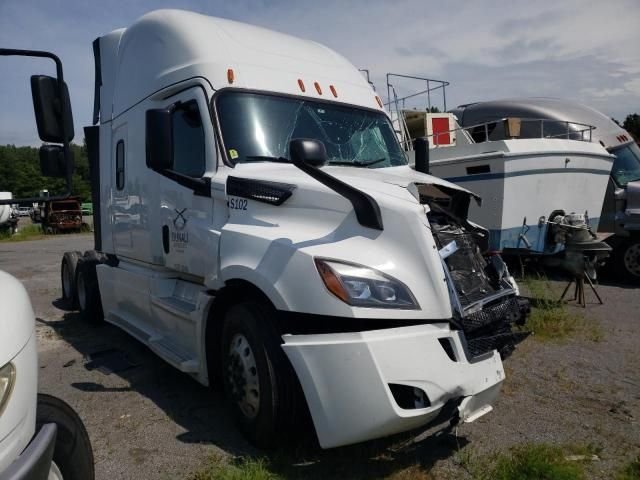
(259, 227)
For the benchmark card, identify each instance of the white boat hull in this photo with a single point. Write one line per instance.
(523, 181)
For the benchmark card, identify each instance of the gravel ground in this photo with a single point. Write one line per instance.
(151, 421)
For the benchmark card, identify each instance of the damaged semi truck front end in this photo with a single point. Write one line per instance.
(371, 377)
(259, 226)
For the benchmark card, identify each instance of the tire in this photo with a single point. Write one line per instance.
(67, 277)
(259, 383)
(72, 455)
(88, 291)
(627, 259)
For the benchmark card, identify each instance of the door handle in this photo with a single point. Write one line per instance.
(165, 238)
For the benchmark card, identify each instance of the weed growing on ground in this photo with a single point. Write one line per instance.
(220, 468)
(524, 462)
(551, 319)
(28, 232)
(631, 471)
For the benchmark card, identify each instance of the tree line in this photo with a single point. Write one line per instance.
(20, 173)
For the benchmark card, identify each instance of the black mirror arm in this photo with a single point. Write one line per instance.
(366, 208)
(60, 77)
(200, 186)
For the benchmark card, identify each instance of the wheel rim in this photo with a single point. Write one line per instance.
(242, 374)
(82, 294)
(632, 259)
(54, 472)
(66, 280)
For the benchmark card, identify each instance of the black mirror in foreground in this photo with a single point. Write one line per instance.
(52, 161)
(48, 108)
(421, 149)
(54, 119)
(308, 155)
(309, 151)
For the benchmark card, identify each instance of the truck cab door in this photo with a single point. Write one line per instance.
(185, 213)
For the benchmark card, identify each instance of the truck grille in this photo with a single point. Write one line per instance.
(491, 328)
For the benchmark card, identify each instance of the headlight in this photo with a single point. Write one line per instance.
(7, 377)
(364, 287)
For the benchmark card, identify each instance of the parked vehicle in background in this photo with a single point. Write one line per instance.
(542, 194)
(87, 208)
(620, 212)
(257, 226)
(59, 216)
(23, 211)
(8, 215)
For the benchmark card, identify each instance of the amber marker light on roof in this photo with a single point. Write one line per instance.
(379, 101)
(301, 85)
(230, 75)
(333, 90)
(318, 89)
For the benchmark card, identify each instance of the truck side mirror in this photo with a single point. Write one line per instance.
(421, 148)
(309, 151)
(49, 109)
(53, 163)
(159, 139)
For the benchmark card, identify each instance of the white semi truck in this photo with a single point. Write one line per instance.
(41, 437)
(258, 227)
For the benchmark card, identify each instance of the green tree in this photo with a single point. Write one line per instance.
(632, 125)
(20, 173)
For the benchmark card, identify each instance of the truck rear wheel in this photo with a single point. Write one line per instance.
(72, 455)
(258, 379)
(87, 290)
(67, 277)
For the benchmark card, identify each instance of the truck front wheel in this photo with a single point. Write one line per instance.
(258, 379)
(72, 455)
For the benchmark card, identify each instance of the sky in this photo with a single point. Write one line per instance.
(581, 50)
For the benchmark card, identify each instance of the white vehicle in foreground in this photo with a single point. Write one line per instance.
(41, 437)
(259, 227)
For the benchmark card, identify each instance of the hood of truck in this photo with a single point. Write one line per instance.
(17, 320)
(316, 222)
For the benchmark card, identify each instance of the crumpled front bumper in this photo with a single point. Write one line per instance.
(35, 462)
(346, 376)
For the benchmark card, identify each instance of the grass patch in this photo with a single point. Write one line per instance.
(362, 462)
(28, 232)
(524, 462)
(631, 471)
(551, 319)
(219, 467)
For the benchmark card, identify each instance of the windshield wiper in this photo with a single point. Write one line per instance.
(267, 158)
(357, 163)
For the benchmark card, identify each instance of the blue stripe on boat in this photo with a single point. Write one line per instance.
(540, 171)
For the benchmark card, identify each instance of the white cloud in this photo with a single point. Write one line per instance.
(633, 86)
(602, 92)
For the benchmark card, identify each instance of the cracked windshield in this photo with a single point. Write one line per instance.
(257, 127)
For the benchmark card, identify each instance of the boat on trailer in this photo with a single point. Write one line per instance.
(540, 193)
